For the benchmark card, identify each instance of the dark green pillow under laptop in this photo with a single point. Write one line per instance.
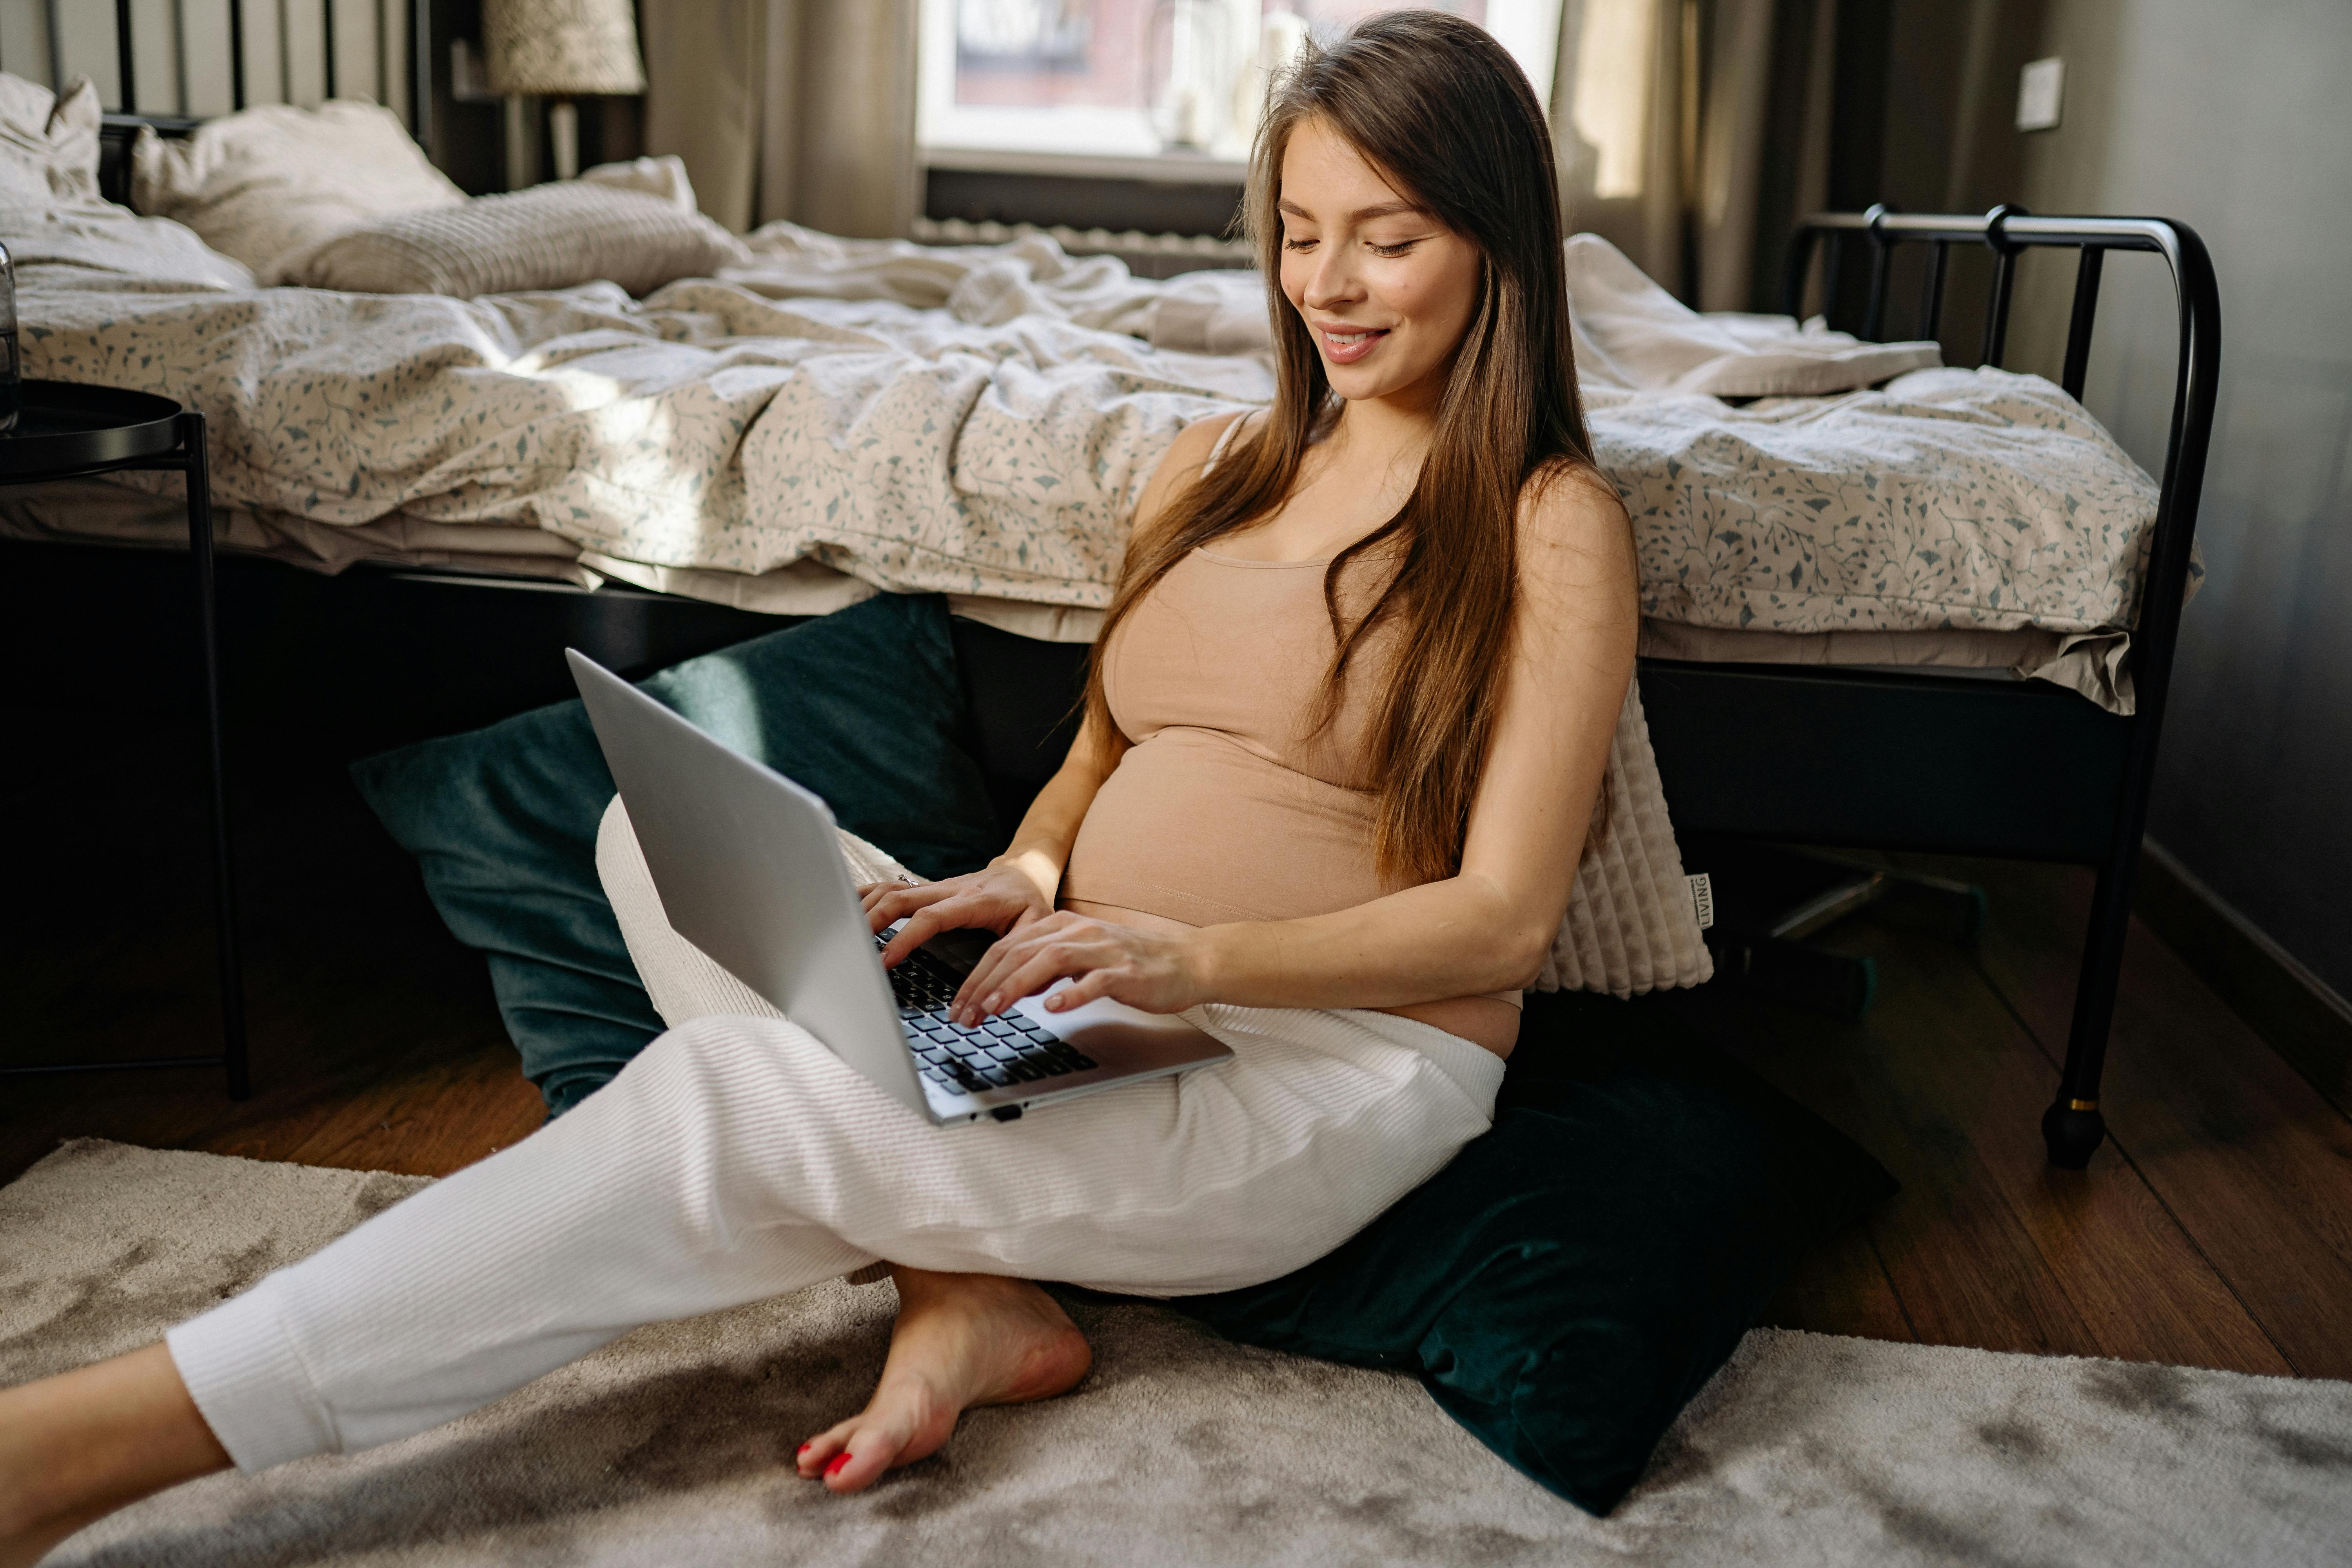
(1562, 1288)
(863, 706)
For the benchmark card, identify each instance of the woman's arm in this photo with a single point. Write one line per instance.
(1018, 887)
(1485, 929)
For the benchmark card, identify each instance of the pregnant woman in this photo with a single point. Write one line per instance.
(1348, 719)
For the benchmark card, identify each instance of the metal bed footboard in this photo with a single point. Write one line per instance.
(1933, 762)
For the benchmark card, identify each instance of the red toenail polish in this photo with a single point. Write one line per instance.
(806, 1446)
(835, 1467)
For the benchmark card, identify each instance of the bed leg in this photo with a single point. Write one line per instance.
(2072, 1128)
(198, 475)
(2072, 1131)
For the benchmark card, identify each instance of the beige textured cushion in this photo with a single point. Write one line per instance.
(264, 184)
(550, 236)
(1632, 923)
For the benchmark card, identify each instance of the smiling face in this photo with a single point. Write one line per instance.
(1386, 290)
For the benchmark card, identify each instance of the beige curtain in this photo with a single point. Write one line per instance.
(788, 108)
(1660, 113)
(805, 109)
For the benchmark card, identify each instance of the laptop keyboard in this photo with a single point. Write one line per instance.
(1006, 1050)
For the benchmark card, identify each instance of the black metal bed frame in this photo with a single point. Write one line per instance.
(1904, 762)
(419, 33)
(1797, 753)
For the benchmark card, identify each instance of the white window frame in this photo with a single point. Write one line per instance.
(943, 125)
(1122, 142)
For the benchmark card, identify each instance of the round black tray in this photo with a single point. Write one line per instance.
(67, 428)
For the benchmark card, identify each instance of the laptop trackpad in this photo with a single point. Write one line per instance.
(1122, 1036)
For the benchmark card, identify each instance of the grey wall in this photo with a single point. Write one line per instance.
(2236, 118)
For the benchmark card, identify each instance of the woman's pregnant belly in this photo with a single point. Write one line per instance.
(1481, 1020)
(1193, 829)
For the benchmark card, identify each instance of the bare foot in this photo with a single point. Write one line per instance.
(960, 1340)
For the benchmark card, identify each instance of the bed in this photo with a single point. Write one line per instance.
(1962, 681)
(825, 418)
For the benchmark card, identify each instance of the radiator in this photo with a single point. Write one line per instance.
(1148, 254)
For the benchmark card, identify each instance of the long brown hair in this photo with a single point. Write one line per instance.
(1447, 117)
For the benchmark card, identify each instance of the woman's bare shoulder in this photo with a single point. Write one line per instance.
(1579, 582)
(1198, 439)
(1572, 509)
(1182, 462)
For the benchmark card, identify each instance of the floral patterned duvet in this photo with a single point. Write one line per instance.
(716, 426)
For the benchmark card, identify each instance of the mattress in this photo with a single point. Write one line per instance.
(103, 512)
(99, 512)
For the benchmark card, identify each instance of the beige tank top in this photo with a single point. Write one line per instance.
(1229, 805)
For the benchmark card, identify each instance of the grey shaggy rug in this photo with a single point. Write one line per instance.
(672, 1446)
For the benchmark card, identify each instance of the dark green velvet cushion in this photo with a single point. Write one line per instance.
(1571, 1278)
(864, 706)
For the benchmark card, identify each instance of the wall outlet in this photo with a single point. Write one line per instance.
(2041, 88)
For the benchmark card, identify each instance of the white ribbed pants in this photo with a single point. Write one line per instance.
(738, 1158)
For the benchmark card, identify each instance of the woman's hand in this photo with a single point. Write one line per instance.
(1000, 897)
(1156, 972)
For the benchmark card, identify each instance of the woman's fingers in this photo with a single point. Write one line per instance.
(987, 976)
(1086, 988)
(1143, 970)
(946, 914)
(1062, 955)
(886, 901)
(1039, 970)
(981, 981)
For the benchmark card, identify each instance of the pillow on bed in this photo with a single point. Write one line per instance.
(265, 183)
(606, 225)
(48, 145)
(52, 217)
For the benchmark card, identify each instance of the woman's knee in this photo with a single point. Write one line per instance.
(715, 1048)
(721, 1063)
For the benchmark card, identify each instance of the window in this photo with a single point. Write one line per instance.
(1172, 85)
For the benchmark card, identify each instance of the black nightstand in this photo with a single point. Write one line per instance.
(67, 431)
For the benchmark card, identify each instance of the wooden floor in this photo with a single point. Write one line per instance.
(2214, 1229)
(376, 1042)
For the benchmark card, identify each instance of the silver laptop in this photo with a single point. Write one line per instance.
(750, 871)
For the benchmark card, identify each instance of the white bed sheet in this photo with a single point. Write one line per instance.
(102, 511)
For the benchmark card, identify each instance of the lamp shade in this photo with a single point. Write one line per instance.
(559, 47)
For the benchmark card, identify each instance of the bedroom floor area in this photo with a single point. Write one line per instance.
(2214, 1228)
